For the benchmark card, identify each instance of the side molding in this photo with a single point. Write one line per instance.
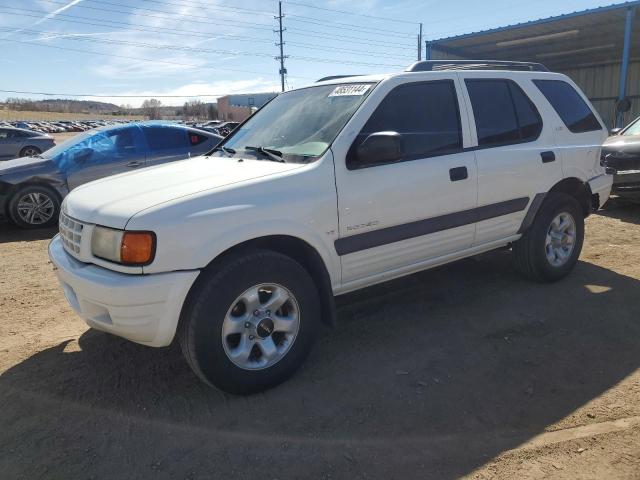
(384, 236)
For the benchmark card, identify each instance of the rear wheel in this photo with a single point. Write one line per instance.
(30, 151)
(34, 206)
(549, 250)
(248, 324)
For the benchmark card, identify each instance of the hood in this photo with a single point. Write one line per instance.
(621, 152)
(114, 200)
(23, 165)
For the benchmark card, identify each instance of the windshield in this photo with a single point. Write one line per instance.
(300, 124)
(633, 129)
(61, 147)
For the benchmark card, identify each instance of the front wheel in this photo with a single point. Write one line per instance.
(250, 321)
(549, 250)
(34, 206)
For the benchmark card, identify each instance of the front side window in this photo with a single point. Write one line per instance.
(96, 147)
(572, 109)
(424, 114)
(298, 126)
(504, 114)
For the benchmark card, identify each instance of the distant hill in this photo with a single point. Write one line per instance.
(61, 105)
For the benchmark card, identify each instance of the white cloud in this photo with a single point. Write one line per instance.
(189, 91)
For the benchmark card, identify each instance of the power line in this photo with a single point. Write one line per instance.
(92, 95)
(166, 30)
(93, 52)
(174, 47)
(353, 28)
(344, 12)
(229, 23)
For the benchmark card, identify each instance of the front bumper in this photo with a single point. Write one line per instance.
(142, 308)
(601, 186)
(627, 183)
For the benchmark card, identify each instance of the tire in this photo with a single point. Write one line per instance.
(540, 260)
(220, 303)
(42, 201)
(30, 151)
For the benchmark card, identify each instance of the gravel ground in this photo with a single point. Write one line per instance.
(463, 371)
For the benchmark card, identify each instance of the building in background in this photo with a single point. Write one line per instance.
(598, 48)
(239, 107)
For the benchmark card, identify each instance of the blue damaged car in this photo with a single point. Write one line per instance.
(32, 188)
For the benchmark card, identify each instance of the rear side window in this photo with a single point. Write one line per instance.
(162, 138)
(425, 114)
(504, 114)
(572, 109)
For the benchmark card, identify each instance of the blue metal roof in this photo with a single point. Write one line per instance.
(541, 21)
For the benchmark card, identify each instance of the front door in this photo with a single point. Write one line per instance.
(414, 208)
(103, 154)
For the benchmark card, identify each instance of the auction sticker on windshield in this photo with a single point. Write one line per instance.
(350, 90)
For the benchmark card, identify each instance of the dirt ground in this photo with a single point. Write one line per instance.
(463, 371)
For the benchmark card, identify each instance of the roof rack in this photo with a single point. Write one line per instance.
(434, 65)
(336, 77)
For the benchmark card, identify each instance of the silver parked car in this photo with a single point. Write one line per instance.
(32, 188)
(18, 142)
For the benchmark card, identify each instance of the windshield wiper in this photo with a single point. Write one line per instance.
(226, 150)
(274, 155)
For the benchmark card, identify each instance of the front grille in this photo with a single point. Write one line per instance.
(70, 233)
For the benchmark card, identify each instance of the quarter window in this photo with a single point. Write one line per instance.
(573, 110)
(426, 114)
(504, 114)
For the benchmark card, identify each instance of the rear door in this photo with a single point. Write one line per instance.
(167, 143)
(514, 147)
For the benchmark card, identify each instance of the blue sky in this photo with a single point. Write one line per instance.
(183, 48)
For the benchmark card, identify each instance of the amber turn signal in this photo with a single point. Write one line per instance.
(137, 248)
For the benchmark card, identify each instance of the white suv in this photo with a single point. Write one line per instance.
(329, 189)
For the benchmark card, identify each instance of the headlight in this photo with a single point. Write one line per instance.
(119, 246)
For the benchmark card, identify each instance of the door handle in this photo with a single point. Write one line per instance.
(548, 157)
(458, 173)
(134, 164)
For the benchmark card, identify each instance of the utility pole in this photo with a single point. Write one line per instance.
(420, 43)
(283, 71)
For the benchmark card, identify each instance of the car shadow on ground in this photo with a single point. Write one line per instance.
(11, 233)
(622, 209)
(429, 376)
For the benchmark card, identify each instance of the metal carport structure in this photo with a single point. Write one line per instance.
(598, 48)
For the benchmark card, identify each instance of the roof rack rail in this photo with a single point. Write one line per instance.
(336, 77)
(434, 65)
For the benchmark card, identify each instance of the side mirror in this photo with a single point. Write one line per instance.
(378, 148)
(615, 131)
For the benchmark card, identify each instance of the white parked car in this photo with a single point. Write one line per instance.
(329, 189)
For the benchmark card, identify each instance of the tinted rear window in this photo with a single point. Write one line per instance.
(165, 138)
(572, 109)
(504, 114)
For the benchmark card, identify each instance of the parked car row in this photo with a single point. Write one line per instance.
(60, 126)
(32, 188)
(621, 156)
